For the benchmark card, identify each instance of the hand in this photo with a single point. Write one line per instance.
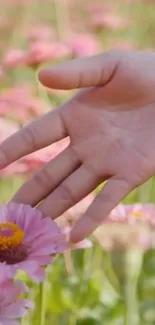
(111, 126)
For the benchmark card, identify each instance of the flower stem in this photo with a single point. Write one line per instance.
(43, 304)
(133, 264)
(61, 19)
(72, 320)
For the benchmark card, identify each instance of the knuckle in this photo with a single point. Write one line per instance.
(142, 169)
(95, 171)
(6, 153)
(107, 198)
(75, 155)
(29, 137)
(125, 184)
(66, 195)
(44, 179)
(80, 80)
(138, 177)
(142, 173)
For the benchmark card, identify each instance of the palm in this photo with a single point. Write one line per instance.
(111, 128)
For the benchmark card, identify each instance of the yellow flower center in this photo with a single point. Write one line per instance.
(11, 235)
(137, 214)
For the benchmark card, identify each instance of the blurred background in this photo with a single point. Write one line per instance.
(113, 281)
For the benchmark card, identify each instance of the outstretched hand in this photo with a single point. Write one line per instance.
(111, 126)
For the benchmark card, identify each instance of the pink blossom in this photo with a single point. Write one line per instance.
(41, 33)
(128, 226)
(133, 214)
(11, 307)
(28, 239)
(14, 58)
(20, 102)
(108, 20)
(83, 45)
(41, 52)
(97, 7)
(5, 273)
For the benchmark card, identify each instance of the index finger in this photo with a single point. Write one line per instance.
(36, 135)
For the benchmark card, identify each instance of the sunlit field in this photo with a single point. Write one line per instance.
(108, 279)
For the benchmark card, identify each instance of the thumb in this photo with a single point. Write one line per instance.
(83, 72)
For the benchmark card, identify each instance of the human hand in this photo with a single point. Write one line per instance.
(111, 126)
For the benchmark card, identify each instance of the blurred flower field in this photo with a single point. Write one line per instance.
(110, 280)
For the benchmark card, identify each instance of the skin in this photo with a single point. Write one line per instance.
(111, 126)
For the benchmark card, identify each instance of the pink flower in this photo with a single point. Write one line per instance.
(11, 307)
(108, 20)
(133, 214)
(83, 45)
(14, 58)
(5, 273)
(41, 33)
(21, 103)
(28, 239)
(128, 226)
(41, 52)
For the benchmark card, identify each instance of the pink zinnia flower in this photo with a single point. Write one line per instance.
(108, 20)
(41, 33)
(128, 226)
(41, 52)
(11, 307)
(14, 58)
(83, 45)
(28, 239)
(21, 103)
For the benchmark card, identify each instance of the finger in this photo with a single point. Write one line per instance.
(48, 178)
(82, 72)
(110, 196)
(36, 135)
(71, 191)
